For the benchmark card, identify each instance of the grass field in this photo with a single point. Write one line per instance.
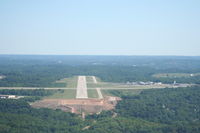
(66, 94)
(120, 91)
(69, 82)
(59, 84)
(89, 79)
(100, 85)
(175, 75)
(71, 93)
(92, 93)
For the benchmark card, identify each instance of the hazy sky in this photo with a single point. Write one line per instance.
(100, 27)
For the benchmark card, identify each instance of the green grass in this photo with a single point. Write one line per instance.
(92, 93)
(65, 94)
(72, 82)
(69, 82)
(120, 92)
(58, 84)
(104, 84)
(89, 79)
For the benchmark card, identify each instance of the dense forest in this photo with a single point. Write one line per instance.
(166, 106)
(170, 110)
(18, 117)
(167, 110)
(43, 71)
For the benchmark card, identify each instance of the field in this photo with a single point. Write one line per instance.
(92, 93)
(125, 92)
(71, 94)
(89, 79)
(65, 94)
(69, 82)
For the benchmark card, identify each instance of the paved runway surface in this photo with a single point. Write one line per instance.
(81, 91)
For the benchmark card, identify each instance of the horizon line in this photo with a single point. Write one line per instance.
(94, 55)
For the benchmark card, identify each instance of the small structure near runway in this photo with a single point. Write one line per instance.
(10, 97)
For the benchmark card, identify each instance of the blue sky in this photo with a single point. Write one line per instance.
(100, 27)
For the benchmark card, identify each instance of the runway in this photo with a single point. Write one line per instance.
(81, 91)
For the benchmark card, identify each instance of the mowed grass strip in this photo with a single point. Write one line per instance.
(72, 82)
(101, 85)
(121, 92)
(89, 79)
(65, 94)
(59, 85)
(92, 93)
(69, 82)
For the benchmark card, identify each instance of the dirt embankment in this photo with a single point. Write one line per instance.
(79, 105)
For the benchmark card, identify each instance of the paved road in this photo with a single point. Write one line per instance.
(81, 91)
(98, 89)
